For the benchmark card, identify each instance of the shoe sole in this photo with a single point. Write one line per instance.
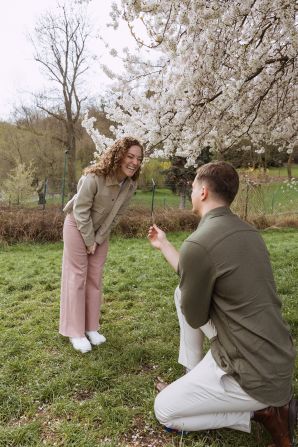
(83, 351)
(94, 343)
(97, 344)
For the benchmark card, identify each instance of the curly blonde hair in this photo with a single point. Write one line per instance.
(110, 161)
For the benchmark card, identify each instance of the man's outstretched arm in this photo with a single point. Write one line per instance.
(158, 240)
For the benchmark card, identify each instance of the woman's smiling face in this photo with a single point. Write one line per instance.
(130, 163)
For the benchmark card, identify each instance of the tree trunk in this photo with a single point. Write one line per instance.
(252, 159)
(71, 162)
(289, 165)
(265, 164)
(182, 201)
(220, 155)
(40, 189)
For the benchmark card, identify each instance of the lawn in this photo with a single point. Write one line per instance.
(163, 198)
(281, 197)
(272, 198)
(282, 171)
(51, 395)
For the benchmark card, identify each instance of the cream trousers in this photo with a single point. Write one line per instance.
(206, 397)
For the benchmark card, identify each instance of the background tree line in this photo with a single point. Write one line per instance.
(32, 152)
(35, 145)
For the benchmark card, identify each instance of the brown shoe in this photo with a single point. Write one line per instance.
(160, 384)
(280, 422)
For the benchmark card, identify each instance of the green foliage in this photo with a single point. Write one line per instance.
(42, 140)
(153, 169)
(243, 155)
(34, 139)
(179, 178)
(17, 188)
(52, 395)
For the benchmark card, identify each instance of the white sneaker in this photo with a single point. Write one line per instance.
(95, 338)
(80, 344)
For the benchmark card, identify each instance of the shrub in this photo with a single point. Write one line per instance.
(24, 225)
(136, 221)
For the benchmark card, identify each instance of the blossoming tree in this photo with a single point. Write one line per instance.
(220, 71)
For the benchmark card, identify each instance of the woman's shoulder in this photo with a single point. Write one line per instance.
(90, 182)
(93, 176)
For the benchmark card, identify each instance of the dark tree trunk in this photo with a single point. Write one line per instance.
(71, 162)
(182, 201)
(289, 165)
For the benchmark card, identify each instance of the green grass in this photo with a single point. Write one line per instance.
(163, 198)
(282, 172)
(51, 395)
(281, 197)
(276, 198)
(269, 198)
(274, 194)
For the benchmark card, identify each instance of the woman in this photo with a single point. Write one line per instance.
(104, 192)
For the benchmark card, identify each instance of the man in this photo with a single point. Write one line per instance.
(227, 292)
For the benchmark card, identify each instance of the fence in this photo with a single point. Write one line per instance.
(256, 197)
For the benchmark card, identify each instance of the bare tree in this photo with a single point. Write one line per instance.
(60, 48)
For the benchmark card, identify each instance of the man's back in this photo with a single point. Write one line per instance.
(226, 276)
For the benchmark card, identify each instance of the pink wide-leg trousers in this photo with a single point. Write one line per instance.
(81, 283)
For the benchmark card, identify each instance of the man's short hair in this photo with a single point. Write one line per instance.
(222, 179)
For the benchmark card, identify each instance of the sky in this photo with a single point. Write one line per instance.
(20, 75)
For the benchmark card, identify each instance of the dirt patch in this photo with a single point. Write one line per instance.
(83, 395)
(142, 434)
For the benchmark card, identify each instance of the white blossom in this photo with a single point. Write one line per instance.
(260, 151)
(101, 142)
(218, 72)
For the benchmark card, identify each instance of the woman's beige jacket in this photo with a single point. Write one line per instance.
(98, 203)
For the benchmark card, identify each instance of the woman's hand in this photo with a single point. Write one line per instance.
(91, 249)
(156, 236)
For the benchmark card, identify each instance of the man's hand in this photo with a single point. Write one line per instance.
(156, 237)
(91, 249)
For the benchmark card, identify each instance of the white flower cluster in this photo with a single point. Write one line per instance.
(219, 72)
(101, 142)
(260, 151)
